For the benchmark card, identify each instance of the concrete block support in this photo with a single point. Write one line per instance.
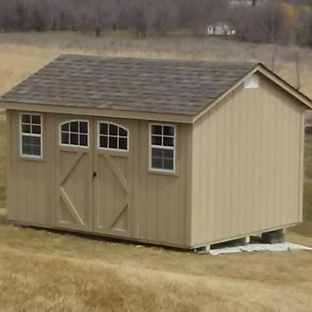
(273, 237)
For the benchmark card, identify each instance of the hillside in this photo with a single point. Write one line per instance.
(41, 271)
(23, 53)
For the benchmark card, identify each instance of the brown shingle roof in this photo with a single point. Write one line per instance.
(144, 85)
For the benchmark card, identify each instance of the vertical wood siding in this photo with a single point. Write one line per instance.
(114, 211)
(74, 179)
(158, 210)
(247, 163)
(30, 182)
(163, 198)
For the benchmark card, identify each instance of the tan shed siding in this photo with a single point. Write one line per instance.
(30, 182)
(163, 198)
(9, 167)
(301, 165)
(159, 203)
(247, 161)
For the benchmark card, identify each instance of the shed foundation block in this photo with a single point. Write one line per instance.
(242, 241)
(273, 237)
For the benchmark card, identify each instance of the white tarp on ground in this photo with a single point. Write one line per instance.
(258, 247)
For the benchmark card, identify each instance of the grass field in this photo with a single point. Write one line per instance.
(42, 271)
(23, 53)
(306, 227)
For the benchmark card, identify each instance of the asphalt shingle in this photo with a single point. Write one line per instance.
(143, 85)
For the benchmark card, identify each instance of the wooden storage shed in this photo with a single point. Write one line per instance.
(178, 153)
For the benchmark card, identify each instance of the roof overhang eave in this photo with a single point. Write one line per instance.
(100, 112)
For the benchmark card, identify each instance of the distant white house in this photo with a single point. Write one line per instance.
(220, 29)
(240, 2)
(236, 3)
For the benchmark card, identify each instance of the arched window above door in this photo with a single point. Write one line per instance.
(75, 133)
(112, 136)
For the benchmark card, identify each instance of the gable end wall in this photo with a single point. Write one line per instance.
(247, 164)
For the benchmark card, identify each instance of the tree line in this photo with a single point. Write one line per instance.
(271, 21)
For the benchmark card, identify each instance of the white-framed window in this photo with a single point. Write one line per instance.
(112, 136)
(162, 147)
(75, 133)
(31, 135)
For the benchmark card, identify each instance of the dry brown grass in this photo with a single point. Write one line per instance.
(22, 54)
(42, 271)
(2, 161)
(306, 227)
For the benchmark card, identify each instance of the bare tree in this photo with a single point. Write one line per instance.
(138, 18)
(303, 32)
(7, 15)
(21, 14)
(297, 61)
(263, 22)
(273, 57)
(163, 16)
(39, 17)
(100, 16)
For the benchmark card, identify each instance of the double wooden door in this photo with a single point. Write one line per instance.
(94, 189)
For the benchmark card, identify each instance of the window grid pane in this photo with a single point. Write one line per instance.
(65, 138)
(163, 136)
(31, 132)
(75, 133)
(26, 118)
(36, 119)
(168, 141)
(157, 129)
(104, 128)
(122, 143)
(73, 139)
(162, 147)
(112, 142)
(103, 141)
(160, 161)
(112, 137)
(83, 140)
(168, 164)
(113, 130)
(168, 130)
(36, 150)
(26, 128)
(83, 126)
(31, 124)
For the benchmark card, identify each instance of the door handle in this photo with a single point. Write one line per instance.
(94, 174)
